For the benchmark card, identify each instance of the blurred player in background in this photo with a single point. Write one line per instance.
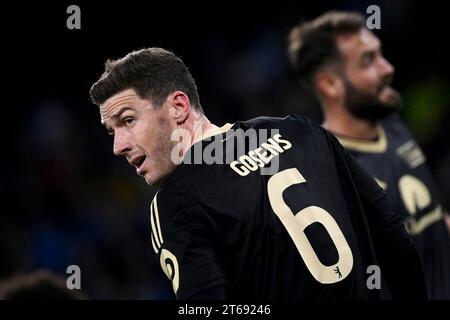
(38, 285)
(309, 229)
(342, 62)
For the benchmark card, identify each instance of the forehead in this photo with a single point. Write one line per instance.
(126, 98)
(355, 43)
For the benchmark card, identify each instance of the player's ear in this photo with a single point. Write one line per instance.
(180, 105)
(328, 84)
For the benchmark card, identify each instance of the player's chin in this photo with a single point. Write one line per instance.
(153, 179)
(150, 179)
(155, 175)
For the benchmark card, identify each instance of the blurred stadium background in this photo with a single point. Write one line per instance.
(67, 200)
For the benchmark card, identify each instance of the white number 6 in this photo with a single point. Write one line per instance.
(296, 225)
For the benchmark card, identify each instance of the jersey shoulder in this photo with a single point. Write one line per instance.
(301, 130)
(290, 122)
(396, 128)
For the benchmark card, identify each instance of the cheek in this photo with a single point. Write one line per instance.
(157, 143)
(366, 79)
(145, 137)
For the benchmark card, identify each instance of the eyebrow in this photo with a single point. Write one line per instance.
(117, 114)
(371, 51)
(368, 52)
(378, 47)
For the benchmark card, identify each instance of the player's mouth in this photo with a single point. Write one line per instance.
(140, 166)
(385, 85)
(386, 92)
(138, 163)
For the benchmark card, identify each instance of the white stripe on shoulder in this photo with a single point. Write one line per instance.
(153, 243)
(156, 234)
(158, 226)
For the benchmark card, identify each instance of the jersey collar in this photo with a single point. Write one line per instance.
(215, 131)
(362, 145)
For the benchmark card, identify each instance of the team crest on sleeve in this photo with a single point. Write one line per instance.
(169, 264)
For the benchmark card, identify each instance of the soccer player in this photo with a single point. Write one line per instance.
(38, 285)
(262, 209)
(342, 62)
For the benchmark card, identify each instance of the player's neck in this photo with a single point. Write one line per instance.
(202, 128)
(344, 124)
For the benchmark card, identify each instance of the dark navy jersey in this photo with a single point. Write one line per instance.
(289, 215)
(399, 166)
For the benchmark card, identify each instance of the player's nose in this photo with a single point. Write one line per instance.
(121, 144)
(387, 68)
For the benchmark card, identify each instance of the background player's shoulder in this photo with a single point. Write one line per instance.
(395, 126)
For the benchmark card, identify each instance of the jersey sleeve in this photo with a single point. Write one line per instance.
(183, 239)
(395, 249)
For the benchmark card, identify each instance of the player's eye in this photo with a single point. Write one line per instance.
(128, 121)
(368, 58)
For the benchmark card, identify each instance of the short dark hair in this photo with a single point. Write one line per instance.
(153, 73)
(38, 285)
(312, 44)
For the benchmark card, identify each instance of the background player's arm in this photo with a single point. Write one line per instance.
(395, 249)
